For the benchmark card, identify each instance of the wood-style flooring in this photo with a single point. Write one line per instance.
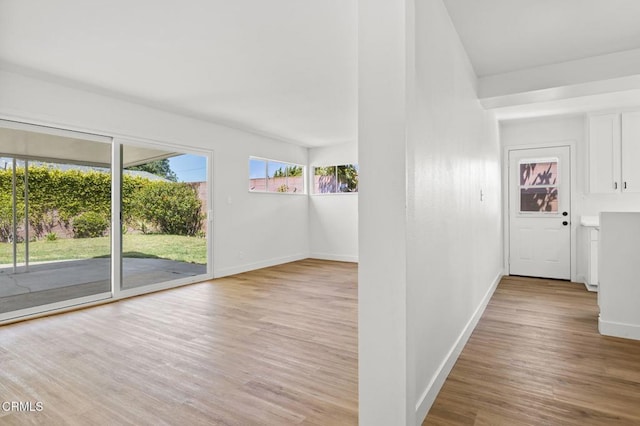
(536, 358)
(276, 346)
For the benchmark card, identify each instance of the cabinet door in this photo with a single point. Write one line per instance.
(631, 152)
(604, 153)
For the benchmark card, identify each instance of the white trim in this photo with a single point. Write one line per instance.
(590, 287)
(334, 257)
(96, 300)
(116, 217)
(575, 218)
(583, 279)
(278, 193)
(312, 179)
(180, 150)
(328, 194)
(210, 213)
(266, 165)
(617, 329)
(166, 285)
(433, 388)
(53, 308)
(219, 273)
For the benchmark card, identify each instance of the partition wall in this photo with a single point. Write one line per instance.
(86, 218)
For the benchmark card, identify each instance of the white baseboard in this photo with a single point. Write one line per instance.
(431, 392)
(335, 257)
(224, 272)
(583, 279)
(617, 329)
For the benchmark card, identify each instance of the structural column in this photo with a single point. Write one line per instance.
(384, 40)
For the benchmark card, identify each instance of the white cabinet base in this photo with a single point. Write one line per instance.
(591, 232)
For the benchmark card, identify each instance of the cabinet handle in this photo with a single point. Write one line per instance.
(625, 185)
(615, 185)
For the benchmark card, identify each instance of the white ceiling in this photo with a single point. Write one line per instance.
(507, 35)
(286, 68)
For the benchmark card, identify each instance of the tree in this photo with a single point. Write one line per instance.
(343, 178)
(348, 178)
(288, 171)
(160, 168)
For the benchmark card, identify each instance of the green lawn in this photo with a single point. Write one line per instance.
(174, 247)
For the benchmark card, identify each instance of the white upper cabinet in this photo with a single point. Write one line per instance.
(604, 153)
(631, 151)
(614, 153)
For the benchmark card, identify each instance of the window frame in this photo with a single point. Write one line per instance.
(287, 165)
(521, 187)
(337, 180)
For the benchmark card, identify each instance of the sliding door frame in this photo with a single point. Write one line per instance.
(41, 310)
(118, 146)
(116, 293)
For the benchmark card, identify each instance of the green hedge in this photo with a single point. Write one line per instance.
(174, 208)
(89, 225)
(59, 197)
(6, 214)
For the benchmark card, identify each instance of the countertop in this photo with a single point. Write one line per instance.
(590, 221)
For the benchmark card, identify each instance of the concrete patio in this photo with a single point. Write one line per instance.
(51, 282)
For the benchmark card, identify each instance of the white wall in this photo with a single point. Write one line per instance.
(454, 246)
(382, 298)
(556, 129)
(250, 230)
(333, 218)
(427, 273)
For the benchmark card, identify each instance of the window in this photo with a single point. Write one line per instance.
(335, 179)
(275, 176)
(539, 186)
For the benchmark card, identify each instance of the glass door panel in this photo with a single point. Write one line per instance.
(164, 204)
(55, 204)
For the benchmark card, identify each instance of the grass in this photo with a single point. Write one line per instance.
(173, 247)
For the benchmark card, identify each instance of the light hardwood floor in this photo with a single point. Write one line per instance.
(272, 347)
(536, 358)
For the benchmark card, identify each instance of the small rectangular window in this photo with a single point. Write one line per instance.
(335, 179)
(539, 186)
(275, 176)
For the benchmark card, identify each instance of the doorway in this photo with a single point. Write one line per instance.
(539, 185)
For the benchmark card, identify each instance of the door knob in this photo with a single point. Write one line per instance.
(565, 223)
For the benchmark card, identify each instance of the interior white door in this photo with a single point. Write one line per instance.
(539, 212)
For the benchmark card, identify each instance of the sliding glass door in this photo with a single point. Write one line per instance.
(55, 207)
(61, 193)
(164, 205)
